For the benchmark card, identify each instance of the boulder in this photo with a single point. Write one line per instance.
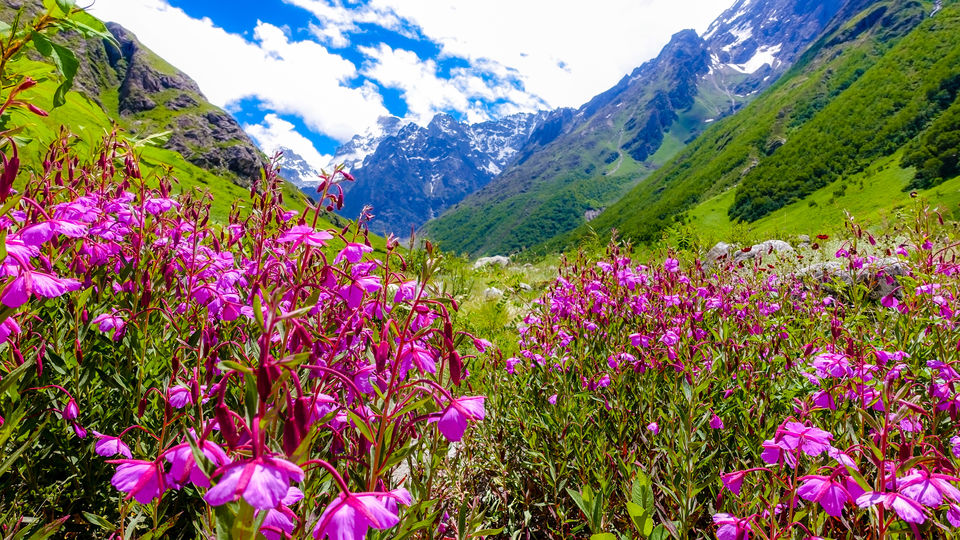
(492, 293)
(761, 249)
(718, 251)
(878, 275)
(498, 260)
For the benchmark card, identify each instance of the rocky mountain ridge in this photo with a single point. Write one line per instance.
(624, 134)
(412, 173)
(148, 96)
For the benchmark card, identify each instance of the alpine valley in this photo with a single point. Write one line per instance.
(712, 128)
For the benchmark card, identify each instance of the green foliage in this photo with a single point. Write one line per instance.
(856, 97)
(935, 153)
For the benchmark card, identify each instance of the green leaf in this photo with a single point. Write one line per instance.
(230, 365)
(66, 5)
(98, 521)
(16, 454)
(604, 536)
(362, 425)
(161, 531)
(49, 529)
(14, 376)
(485, 532)
(89, 26)
(660, 533)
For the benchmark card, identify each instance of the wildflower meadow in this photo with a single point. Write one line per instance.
(169, 375)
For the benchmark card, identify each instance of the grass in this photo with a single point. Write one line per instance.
(873, 197)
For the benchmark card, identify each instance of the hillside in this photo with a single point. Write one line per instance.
(626, 133)
(874, 97)
(148, 100)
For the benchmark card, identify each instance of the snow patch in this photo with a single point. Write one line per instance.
(741, 33)
(764, 56)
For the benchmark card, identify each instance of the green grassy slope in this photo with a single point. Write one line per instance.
(88, 121)
(832, 115)
(873, 197)
(588, 165)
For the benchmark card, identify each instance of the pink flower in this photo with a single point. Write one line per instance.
(106, 322)
(142, 480)
(669, 338)
(453, 421)
(825, 490)
(908, 509)
(832, 365)
(928, 488)
(304, 234)
(953, 515)
(716, 422)
(351, 515)
(774, 454)
(179, 396)
(671, 265)
(639, 340)
(552, 399)
(414, 354)
(36, 283)
(353, 293)
(279, 522)
(653, 427)
(262, 481)
(159, 205)
(352, 253)
(731, 527)
(7, 328)
(108, 446)
(812, 441)
(734, 480)
(70, 410)
(183, 465)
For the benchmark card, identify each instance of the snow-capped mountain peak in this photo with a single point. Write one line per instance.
(354, 151)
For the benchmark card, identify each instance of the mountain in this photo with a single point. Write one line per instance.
(868, 113)
(147, 96)
(415, 173)
(296, 170)
(623, 135)
(156, 106)
(352, 153)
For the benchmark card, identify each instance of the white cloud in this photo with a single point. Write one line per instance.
(275, 133)
(522, 56)
(291, 77)
(596, 42)
(427, 94)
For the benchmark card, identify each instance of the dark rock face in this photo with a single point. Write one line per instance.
(205, 135)
(153, 97)
(421, 171)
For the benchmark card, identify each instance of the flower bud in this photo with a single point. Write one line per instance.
(70, 411)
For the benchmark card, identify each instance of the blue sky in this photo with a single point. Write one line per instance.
(309, 74)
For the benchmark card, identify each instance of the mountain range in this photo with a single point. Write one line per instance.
(779, 118)
(571, 164)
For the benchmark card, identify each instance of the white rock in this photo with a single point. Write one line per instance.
(492, 293)
(498, 260)
(761, 249)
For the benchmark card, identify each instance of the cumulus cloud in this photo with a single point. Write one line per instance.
(426, 93)
(288, 76)
(519, 56)
(275, 133)
(566, 51)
